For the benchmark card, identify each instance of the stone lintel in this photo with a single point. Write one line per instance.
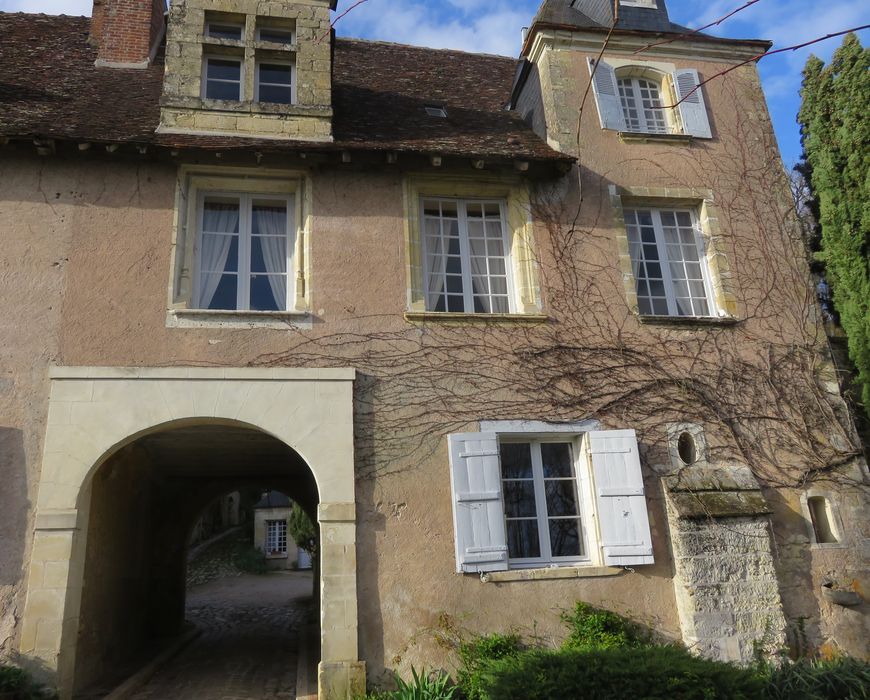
(719, 504)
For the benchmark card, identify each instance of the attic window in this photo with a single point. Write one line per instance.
(436, 111)
(275, 35)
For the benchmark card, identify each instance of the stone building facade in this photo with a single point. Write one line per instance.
(515, 334)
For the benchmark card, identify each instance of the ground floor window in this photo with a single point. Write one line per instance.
(276, 537)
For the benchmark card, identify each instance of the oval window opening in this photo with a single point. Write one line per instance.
(686, 448)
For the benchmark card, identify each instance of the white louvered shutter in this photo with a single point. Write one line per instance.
(692, 109)
(478, 510)
(623, 522)
(606, 95)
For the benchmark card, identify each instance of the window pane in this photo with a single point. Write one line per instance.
(565, 538)
(456, 304)
(275, 73)
(519, 499)
(222, 91)
(556, 457)
(276, 36)
(523, 542)
(220, 215)
(219, 253)
(225, 31)
(561, 497)
(225, 296)
(269, 254)
(276, 94)
(265, 289)
(269, 219)
(516, 460)
(224, 69)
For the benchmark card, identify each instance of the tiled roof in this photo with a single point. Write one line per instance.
(49, 88)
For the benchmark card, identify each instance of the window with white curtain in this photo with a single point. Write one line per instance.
(668, 261)
(466, 256)
(641, 100)
(243, 252)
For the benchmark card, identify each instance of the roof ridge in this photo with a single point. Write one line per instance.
(383, 42)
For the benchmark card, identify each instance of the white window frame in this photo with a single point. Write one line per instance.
(276, 530)
(218, 57)
(581, 483)
(246, 199)
(278, 62)
(644, 127)
(464, 251)
(664, 262)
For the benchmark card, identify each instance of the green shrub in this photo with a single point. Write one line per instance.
(593, 628)
(475, 654)
(649, 672)
(839, 679)
(252, 560)
(18, 681)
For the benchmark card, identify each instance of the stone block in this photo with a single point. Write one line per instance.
(341, 680)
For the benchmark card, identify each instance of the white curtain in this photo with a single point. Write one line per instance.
(271, 222)
(436, 264)
(217, 217)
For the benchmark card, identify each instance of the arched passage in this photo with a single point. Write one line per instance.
(189, 430)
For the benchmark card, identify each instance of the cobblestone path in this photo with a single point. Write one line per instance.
(249, 644)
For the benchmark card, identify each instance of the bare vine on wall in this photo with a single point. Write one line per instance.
(762, 387)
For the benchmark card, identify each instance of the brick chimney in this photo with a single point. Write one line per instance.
(126, 32)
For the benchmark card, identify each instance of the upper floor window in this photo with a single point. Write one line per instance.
(242, 251)
(667, 258)
(642, 105)
(224, 30)
(274, 83)
(465, 253)
(637, 98)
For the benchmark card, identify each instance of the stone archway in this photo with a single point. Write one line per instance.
(94, 412)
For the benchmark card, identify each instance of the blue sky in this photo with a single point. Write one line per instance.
(493, 26)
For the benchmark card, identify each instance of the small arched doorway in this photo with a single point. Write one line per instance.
(133, 455)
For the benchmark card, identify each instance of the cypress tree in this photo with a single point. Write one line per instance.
(835, 134)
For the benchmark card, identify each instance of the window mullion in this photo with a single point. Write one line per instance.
(638, 105)
(541, 502)
(465, 256)
(244, 290)
(665, 261)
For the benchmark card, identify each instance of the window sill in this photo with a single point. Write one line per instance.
(453, 317)
(246, 107)
(550, 572)
(641, 137)
(688, 320)
(211, 318)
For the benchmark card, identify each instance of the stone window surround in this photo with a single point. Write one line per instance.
(190, 182)
(836, 521)
(514, 192)
(708, 217)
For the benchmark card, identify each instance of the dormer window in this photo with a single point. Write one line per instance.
(436, 111)
(642, 98)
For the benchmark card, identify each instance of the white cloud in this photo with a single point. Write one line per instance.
(48, 7)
